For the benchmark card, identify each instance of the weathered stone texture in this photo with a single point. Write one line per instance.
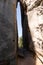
(8, 30)
(35, 22)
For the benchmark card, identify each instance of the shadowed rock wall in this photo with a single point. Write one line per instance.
(24, 27)
(8, 31)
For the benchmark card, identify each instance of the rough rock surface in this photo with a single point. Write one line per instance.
(8, 36)
(35, 22)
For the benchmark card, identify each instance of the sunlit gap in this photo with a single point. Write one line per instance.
(19, 25)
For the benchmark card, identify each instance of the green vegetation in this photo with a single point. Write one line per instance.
(20, 42)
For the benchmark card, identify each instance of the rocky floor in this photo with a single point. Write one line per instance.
(29, 60)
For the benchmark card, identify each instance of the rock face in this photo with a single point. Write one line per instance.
(8, 31)
(25, 27)
(36, 25)
(35, 22)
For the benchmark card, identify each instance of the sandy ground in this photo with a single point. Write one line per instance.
(29, 60)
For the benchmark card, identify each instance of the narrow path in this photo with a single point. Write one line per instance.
(29, 60)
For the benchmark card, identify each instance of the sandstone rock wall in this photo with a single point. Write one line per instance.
(35, 23)
(8, 30)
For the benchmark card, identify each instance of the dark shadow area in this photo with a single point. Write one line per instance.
(27, 39)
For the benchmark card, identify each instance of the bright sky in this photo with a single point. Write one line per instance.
(19, 20)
